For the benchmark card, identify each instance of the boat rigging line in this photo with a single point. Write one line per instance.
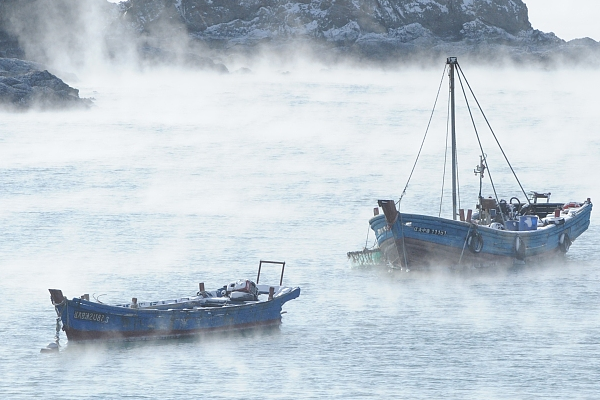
(424, 137)
(493, 134)
(499, 232)
(484, 159)
(456, 195)
(445, 156)
(413, 169)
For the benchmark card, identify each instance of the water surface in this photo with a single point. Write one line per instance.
(177, 177)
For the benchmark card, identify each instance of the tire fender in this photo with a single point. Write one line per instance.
(475, 242)
(564, 242)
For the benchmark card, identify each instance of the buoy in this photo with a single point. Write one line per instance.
(51, 348)
(571, 205)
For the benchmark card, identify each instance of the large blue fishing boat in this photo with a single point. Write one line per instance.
(496, 232)
(239, 305)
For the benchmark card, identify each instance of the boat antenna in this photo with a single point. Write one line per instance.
(493, 134)
(480, 170)
(423, 141)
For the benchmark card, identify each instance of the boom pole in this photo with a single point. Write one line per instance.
(452, 62)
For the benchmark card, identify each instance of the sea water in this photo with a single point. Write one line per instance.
(177, 177)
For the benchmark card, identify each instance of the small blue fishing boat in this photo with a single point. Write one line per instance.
(496, 232)
(239, 305)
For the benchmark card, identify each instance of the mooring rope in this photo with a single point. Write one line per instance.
(367, 240)
(465, 244)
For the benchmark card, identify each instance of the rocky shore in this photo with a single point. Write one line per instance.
(366, 31)
(25, 85)
(209, 34)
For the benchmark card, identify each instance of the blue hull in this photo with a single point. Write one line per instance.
(85, 320)
(413, 240)
(499, 232)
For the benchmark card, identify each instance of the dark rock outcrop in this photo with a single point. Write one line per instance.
(77, 31)
(24, 85)
(371, 31)
(369, 28)
(196, 32)
(9, 46)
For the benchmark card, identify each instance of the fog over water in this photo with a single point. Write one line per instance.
(177, 177)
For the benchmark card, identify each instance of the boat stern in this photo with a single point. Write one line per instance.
(56, 296)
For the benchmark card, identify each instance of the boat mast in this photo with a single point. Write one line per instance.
(452, 61)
